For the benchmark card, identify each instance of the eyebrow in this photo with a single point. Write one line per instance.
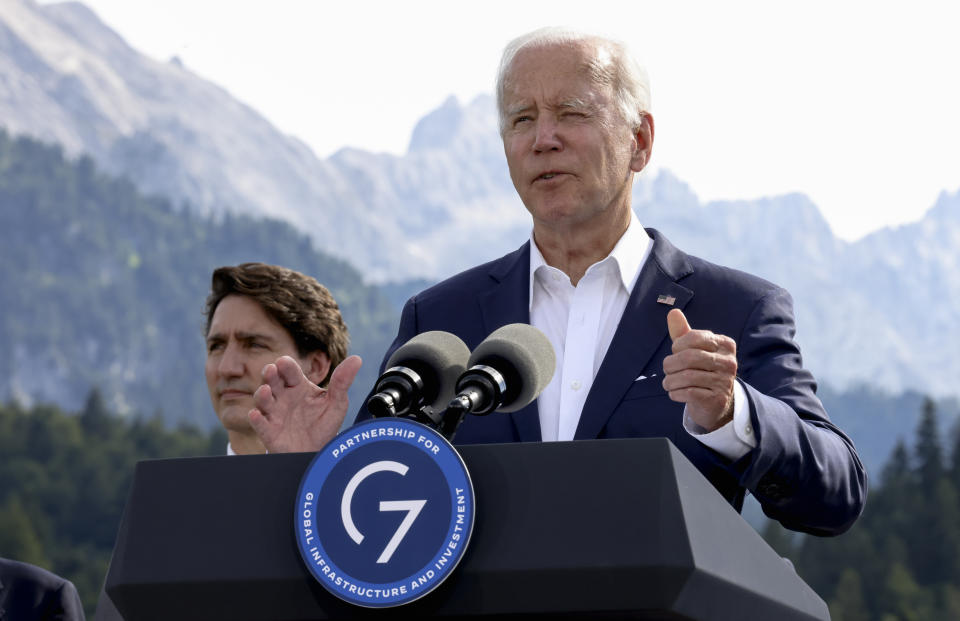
(575, 104)
(519, 108)
(241, 336)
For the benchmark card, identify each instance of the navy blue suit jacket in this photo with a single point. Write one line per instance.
(28, 593)
(805, 472)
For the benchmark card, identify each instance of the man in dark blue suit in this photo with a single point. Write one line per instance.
(28, 593)
(617, 302)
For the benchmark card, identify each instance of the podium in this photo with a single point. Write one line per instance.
(598, 529)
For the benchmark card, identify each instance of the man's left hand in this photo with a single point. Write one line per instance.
(700, 372)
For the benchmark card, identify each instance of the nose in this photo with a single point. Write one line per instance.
(546, 138)
(231, 362)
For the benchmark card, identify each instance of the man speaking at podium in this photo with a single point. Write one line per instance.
(650, 341)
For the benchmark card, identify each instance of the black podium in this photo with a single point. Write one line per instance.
(603, 529)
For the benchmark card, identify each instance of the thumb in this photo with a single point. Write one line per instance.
(677, 324)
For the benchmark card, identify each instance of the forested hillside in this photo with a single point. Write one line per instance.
(64, 481)
(901, 560)
(104, 287)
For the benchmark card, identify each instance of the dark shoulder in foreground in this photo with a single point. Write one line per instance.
(30, 592)
(467, 281)
(15, 572)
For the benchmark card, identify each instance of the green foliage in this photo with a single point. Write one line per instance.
(848, 604)
(901, 560)
(929, 452)
(876, 419)
(102, 286)
(64, 482)
(18, 539)
(954, 472)
(779, 538)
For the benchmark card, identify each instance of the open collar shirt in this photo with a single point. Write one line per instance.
(580, 322)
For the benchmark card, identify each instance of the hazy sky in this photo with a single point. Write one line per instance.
(856, 104)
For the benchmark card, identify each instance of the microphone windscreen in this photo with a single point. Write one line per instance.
(528, 350)
(441, 353)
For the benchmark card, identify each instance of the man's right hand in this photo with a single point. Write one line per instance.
(293, 414)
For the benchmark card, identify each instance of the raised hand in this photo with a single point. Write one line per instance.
(700, 372)
(295, 415)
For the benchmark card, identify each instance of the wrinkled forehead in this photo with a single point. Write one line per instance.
(566, 61)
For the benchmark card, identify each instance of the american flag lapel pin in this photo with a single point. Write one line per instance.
(666, 299)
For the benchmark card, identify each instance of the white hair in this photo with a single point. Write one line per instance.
(618, 68)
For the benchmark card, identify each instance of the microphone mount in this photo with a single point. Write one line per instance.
(393, 390)
(393, 397)
(480, 390)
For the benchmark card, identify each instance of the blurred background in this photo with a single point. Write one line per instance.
(142, 144)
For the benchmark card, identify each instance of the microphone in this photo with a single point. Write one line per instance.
(421, 374)
(506, 372)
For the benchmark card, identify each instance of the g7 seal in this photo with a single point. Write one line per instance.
(384, 513)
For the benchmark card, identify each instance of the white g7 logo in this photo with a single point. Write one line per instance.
(412, 507)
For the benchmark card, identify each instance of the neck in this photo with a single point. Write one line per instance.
(245, 443)
(573, 248)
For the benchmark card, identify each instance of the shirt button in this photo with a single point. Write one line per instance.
(575, 384)
(747, 430)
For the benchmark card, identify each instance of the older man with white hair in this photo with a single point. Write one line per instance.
(650, 341)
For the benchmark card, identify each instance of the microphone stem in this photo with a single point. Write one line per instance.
(453, 416)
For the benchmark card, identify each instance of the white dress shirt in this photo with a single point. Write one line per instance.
(580, 322)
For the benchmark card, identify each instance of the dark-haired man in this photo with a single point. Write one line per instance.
(256, 313)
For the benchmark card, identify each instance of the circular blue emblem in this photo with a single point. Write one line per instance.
(384, 512)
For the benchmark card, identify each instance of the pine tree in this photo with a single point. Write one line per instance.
(95, 418)
(934, 535)
(896, 472)
(929, 452)
(954, 473)
(890, 506)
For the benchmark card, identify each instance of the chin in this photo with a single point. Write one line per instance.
(234, 417)
(558, 215)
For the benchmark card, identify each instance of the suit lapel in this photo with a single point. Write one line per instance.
(508, 301)
(639, 335)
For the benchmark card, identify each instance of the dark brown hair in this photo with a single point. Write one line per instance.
(296, 301)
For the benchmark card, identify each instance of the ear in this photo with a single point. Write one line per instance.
(644, 143)
(315, 366)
